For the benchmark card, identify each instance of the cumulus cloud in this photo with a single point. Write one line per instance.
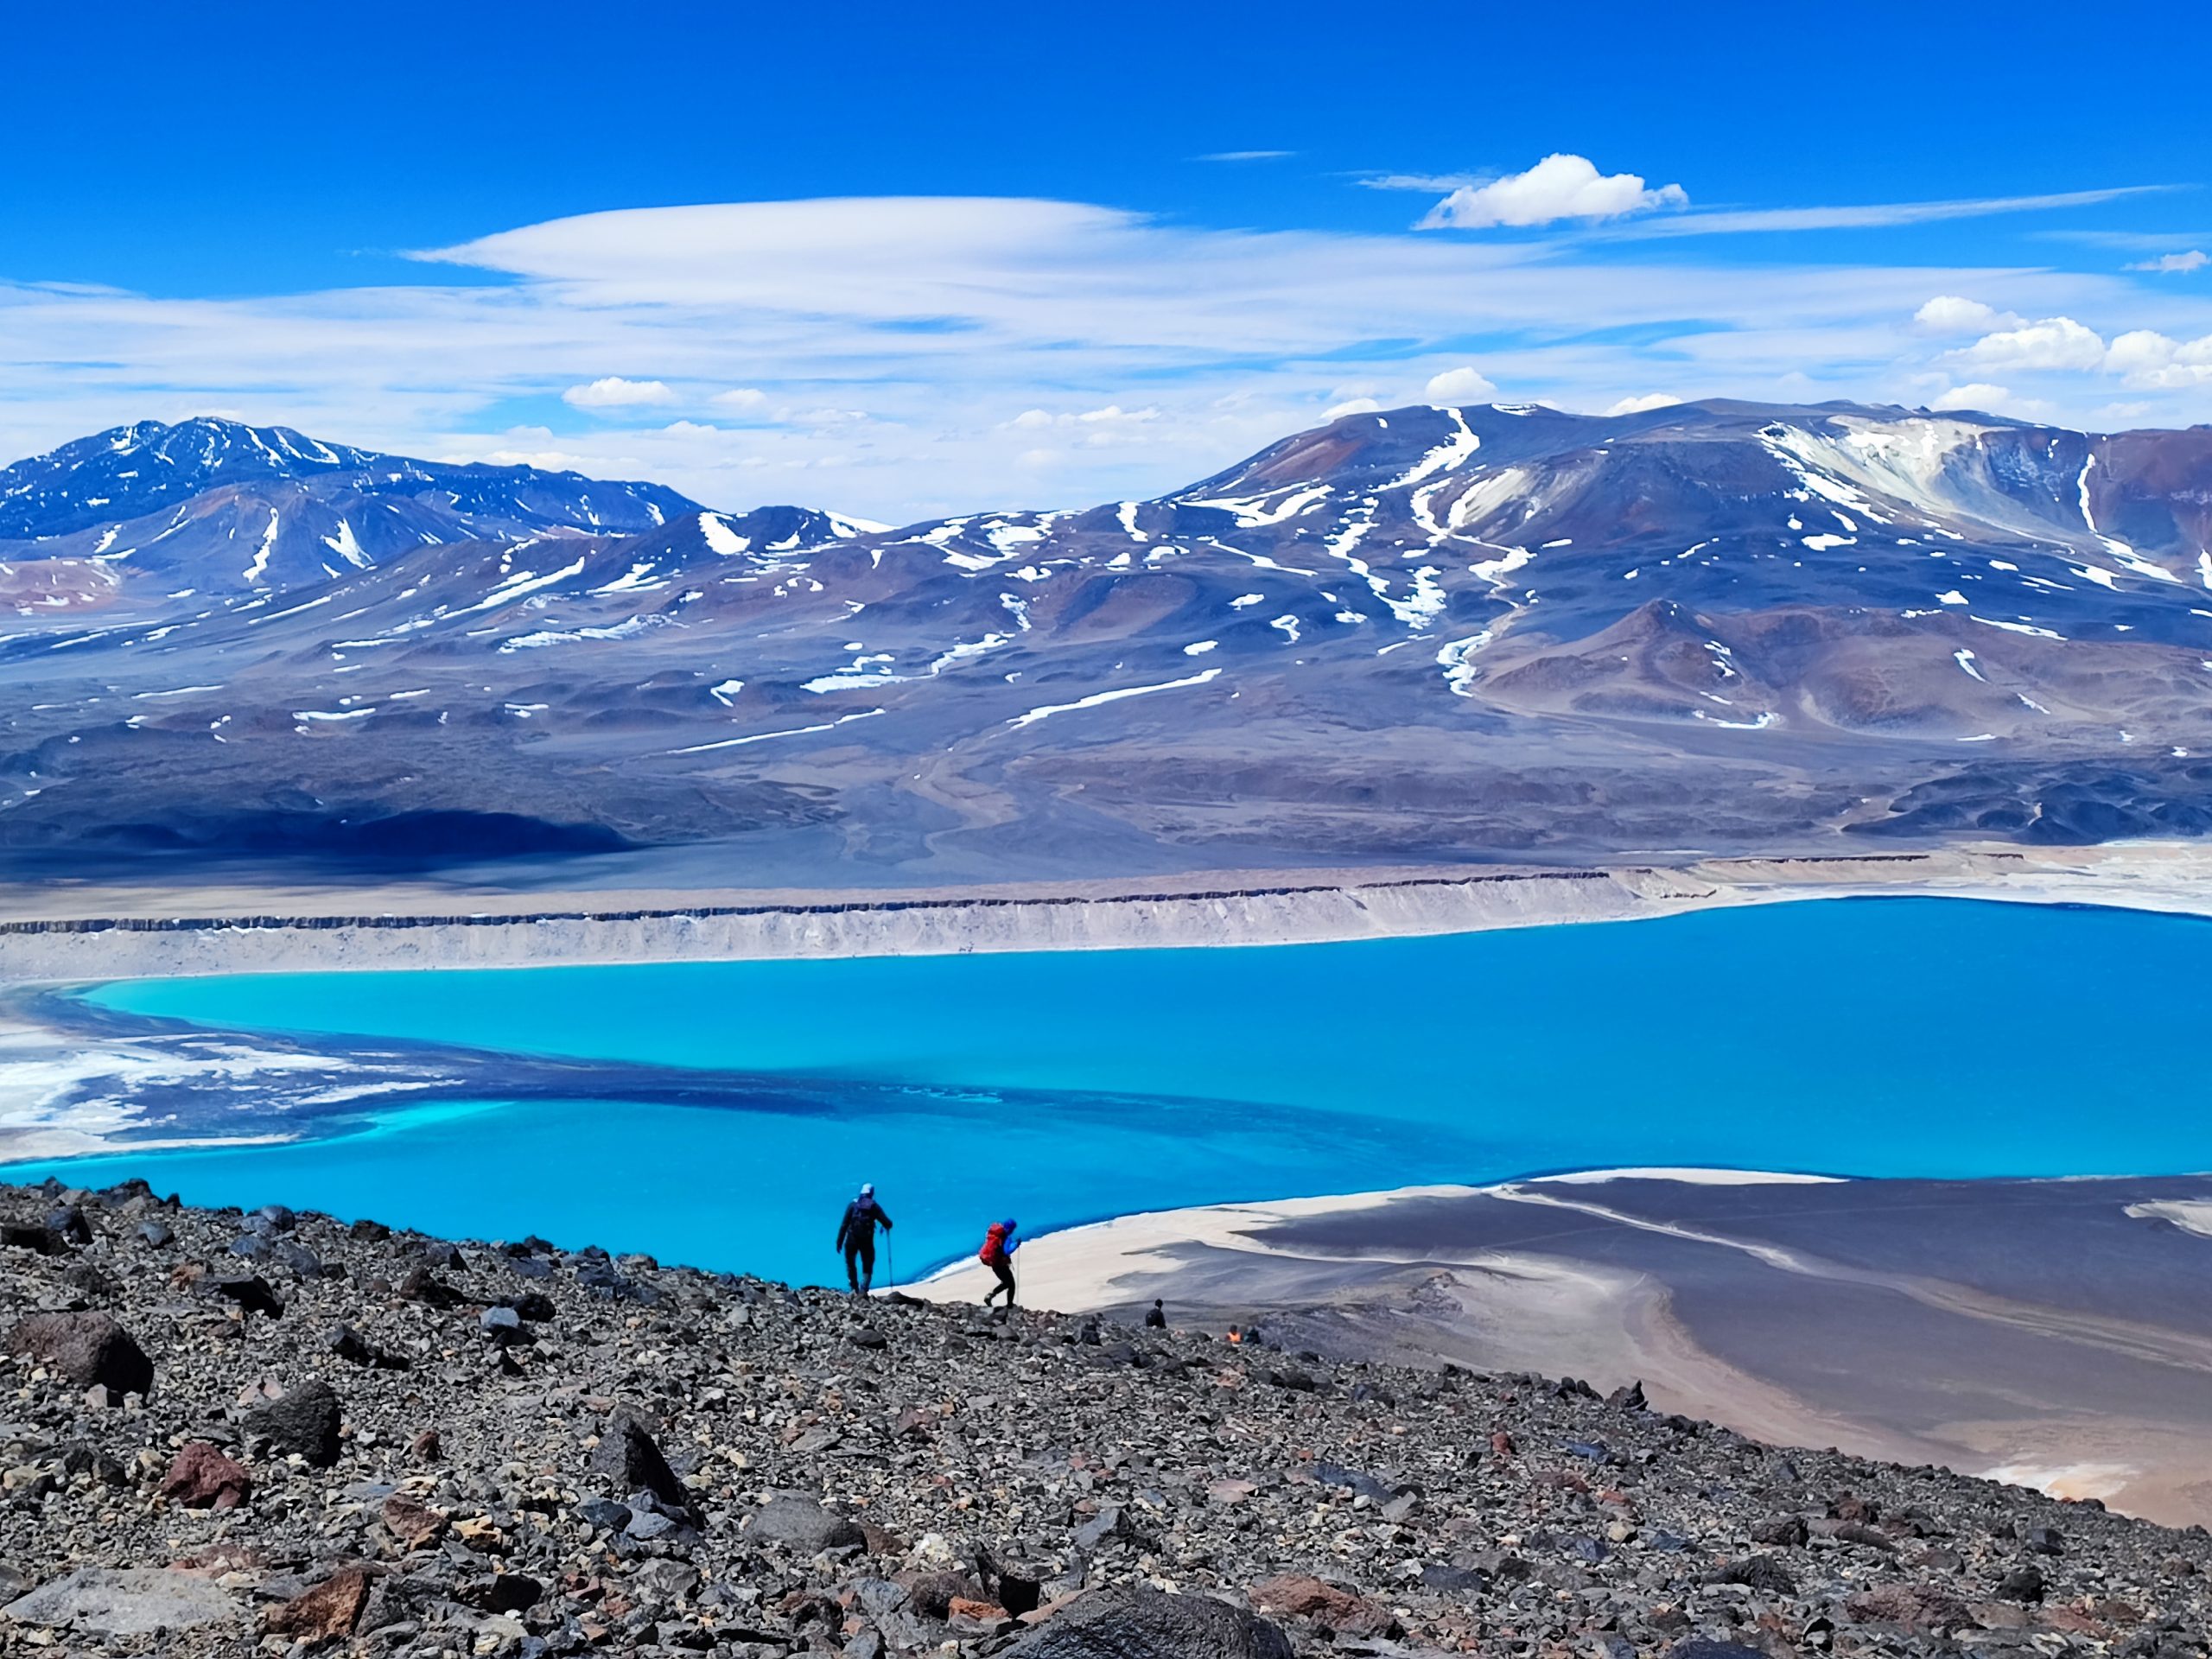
(1350, 406)
(2149, 360)
(1559, 186)
(2195, 259)
(615, 392)
(739, 397)
(1465, 385)
(2143, 359)
(1650, 400)
(2051, 343)
(1948, 314)
(1978, 395)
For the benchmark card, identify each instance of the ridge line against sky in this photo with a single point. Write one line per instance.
(951, 324)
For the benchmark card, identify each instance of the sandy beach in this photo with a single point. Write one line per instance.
(56, 933)
(2041, 1332)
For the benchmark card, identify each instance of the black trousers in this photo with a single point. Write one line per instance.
(860, 1263)
(1004, 1268)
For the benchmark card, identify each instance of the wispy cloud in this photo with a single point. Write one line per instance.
(2194, 259)
(1871, 216)
(1150, 353)
(1247, 155)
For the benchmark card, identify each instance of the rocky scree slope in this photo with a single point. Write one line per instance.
(231, 1432)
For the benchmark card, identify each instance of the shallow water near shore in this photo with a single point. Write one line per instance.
(1883, 1036)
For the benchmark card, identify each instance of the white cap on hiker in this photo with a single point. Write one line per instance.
(868, 1189)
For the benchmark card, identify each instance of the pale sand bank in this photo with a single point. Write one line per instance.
(61, 933)
(1818, 1322)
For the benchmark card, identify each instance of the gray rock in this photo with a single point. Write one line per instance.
(804, 1527)
(1132, 1620)
(129, 1601)
(89, 1349)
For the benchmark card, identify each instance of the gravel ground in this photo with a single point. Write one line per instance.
(232, 1434)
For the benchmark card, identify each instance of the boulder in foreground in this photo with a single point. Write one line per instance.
(124, 1601)
(1134, 1621)
(89, 1349)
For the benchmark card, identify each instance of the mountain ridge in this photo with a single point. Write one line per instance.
(1432, 632)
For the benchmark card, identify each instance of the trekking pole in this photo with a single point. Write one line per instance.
(891, 1250)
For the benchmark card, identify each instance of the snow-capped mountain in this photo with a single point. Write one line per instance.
(1415, 634)
(229, 506)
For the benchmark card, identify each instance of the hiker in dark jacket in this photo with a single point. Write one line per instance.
(857, 1239)
(1155, 1317)
(997, 1255)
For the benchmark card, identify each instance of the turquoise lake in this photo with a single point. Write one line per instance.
(1883, 1036)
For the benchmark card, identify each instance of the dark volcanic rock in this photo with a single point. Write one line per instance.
(628, 1456)
(1137, 1622)
(304, 1421)
(88, 1349)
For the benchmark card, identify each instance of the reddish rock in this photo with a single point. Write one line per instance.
(427, 1447)
(1501, 1444)
(201, 1477)
(1915, 1606)
(324, 1613)
(981, 1613)
(1299, 1596)
(415, 1524)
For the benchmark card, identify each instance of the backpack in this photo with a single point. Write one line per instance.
(993, 1244)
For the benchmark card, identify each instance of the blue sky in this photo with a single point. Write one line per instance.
(1013, 276)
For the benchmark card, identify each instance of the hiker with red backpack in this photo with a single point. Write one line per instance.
(997, 1255)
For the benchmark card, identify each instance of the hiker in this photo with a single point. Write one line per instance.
(1155, 1317)
(857, 1239)
(997, 1255)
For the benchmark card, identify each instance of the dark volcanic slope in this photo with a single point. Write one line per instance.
(267, 1426)
(1427, 633)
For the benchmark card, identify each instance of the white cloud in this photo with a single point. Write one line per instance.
(1465, 385)
(1947, 314)
(1871, 215)
(1427, 184)
(739, 397)
(615, 392)
(1975, 395)
(2195, 259)
(1559, 186)
(2148, 361)
(2144, 358)
(1350, 406)
(2052, 343)
(941, 318)
(1247, 155)
(1639, 405)
(1098, 429)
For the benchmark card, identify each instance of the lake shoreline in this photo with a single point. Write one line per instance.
(1857, 1314)
(82, 935)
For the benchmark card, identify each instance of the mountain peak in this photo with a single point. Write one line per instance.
(209, 482)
